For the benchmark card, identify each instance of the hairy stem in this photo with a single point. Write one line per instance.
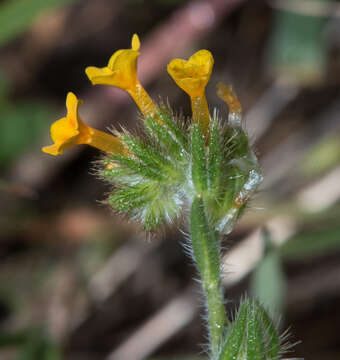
(205, 245)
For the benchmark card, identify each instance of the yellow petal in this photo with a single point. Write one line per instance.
(121, 70)
(112, 60)
(193, 75)
(100, 76)
(70, 131)
(124, 68)
(72, 105)
(64, 129)
(204, 59)
(176, 68)
(52, 150)
(65, 132)
(135, 43)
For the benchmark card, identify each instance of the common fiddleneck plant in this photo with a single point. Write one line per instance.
(202, 171)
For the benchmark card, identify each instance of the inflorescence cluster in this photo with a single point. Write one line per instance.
(157, 174)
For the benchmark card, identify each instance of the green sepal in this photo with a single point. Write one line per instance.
(175, 126)
(137, 167)
(235, 142)
(199, 161)
(146, 153)
(116, 174)
(153, 219)
(178, 163)
(129, 199)
(214, 158)
(234, 182)
(164, 137)
(146, 202)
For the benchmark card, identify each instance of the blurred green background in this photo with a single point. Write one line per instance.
(78, 282)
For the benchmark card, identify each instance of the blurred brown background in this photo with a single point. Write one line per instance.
(78, 282)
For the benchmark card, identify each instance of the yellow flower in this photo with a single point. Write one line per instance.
(192, 76)
(71, 130)
(121, 72)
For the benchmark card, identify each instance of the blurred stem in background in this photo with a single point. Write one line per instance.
(17, 15)
(23, 123)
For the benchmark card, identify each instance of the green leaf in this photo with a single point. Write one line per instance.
(311, 243)
(322, 157)
(236, 334)
(32, 344)
(21, 128)
(255, 334)
(268, 280)
(271, 334)
(252, 335)
(298, 48)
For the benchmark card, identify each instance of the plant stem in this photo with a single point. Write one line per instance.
(205, 245)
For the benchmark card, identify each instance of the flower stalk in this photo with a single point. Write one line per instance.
(206, 252)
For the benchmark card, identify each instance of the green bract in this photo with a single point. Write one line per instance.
(252, 335)
(171, 163)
